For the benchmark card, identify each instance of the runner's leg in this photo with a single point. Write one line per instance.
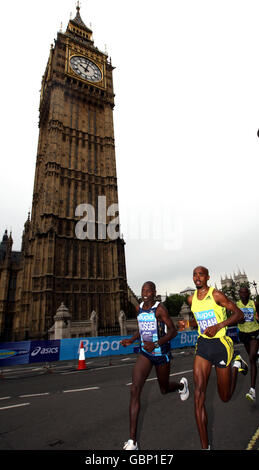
(226, 379)
(162, 372)
(201, 373)
(252, 352)
(141, 371)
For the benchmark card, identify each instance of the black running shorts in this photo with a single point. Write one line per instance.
(247, 337)
(218, 351)
(157, 360)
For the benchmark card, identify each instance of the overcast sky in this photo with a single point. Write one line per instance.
(186, 120)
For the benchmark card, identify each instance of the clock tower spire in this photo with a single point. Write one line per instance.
(77, 28)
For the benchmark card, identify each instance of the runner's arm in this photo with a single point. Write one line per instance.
(162, 315)
(236, 317)
(128, 341)
(187, 323)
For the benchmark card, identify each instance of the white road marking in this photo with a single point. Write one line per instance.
(68, 373)
(183, 372)
(94, 370)
(81, 389)
(171, 375)
(108, 367)
(4, 398)
(34, 395)
(13, 406)
(76, 371)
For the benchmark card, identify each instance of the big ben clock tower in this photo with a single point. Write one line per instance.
(75, 166)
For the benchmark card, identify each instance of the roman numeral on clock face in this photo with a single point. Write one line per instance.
(86, 68)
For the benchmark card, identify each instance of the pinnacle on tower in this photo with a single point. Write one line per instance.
(5, 236)
(78, 20)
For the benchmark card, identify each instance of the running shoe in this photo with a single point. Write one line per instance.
(129, 445)
(242, 367)
(251, 394)
(184, 393)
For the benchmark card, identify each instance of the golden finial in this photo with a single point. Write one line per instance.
(61, 26)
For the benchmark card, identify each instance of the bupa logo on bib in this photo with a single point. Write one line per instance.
(205, 319)
(146, 316)
(248, 314)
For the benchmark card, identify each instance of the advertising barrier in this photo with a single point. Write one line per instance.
(94, 347)
(44, 351)
(27, 352)
(14, 353)
(184, 339)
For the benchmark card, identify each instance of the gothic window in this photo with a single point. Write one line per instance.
(98, 262)
(67, 258)
(75, 259)
(12, 287)
(91, 261)
(67, 227)
(83, 262)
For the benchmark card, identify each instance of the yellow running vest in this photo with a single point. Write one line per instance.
(208, 313)
(249, 310)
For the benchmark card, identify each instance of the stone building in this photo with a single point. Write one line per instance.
(10, 274)
(237, 279)
(72, 251)
(187, 291)
(231, 284)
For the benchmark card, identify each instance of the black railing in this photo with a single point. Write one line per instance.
(109, 331)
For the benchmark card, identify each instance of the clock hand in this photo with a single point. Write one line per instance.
(80, 65)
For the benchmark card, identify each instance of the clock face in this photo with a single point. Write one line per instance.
(86, 69)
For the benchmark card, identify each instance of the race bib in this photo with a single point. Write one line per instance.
(248, 314)
(205, 319)
(148, 329)
(147, 326)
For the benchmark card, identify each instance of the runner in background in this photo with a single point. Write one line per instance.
(249, 334)
(155, 330)
(213, 347)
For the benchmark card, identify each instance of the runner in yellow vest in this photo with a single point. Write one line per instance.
(249, 334)
(213, 346)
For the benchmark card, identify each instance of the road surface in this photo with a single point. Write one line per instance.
(62, 408)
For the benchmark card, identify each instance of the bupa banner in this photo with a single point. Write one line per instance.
(189, 338)
(184, 339)
(14, 353)
(95, 347)
(111, 345)
(44, 351)
(232, 331)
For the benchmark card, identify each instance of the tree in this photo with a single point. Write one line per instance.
(173, 303)
(230, 292)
